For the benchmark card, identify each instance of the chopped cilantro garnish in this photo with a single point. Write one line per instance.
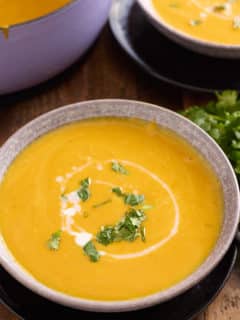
(85, 183)
(118, 191)
(63, 196)
(91, 251)
(84, 192)
(102, 203)
(129, 198)
(143, 233)
(106, 235)
(195, 22)
(221, 120)
(133, 199)
(127, 229)
(118, 167)
(54, 241)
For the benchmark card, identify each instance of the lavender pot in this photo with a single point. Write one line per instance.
(37, 50)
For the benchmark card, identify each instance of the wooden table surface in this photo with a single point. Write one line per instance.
(106, 72)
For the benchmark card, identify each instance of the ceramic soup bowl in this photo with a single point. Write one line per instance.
(165, 118)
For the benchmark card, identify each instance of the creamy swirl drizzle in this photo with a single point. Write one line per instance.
(82, 236)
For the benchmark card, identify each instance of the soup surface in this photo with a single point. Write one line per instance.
(110, 209)
(212, 20)
(18, 11)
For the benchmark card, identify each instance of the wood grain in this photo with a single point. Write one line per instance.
(106, 72)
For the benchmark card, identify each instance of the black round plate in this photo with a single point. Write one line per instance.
(166, 60)
(30, 306)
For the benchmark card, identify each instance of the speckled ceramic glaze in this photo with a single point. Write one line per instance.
(200, 46)
(37, 50)
(165, 118)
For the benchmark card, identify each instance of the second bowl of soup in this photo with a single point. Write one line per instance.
(104, 196)
(207, 26)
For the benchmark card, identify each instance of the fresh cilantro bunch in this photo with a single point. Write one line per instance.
(221, 120)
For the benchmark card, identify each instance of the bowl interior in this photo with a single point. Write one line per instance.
(164, 118)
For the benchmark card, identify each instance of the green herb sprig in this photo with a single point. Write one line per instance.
(119, 168)
(127, 229)
(221, 120)
(84, 192)
(195, 22)
(100, 204)
(91, 251)
(55, 240)
(129, 198)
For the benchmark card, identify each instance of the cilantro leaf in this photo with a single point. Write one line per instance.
(227, 98)
(118, 167)
(127, 229)
(85, 183)
(221, 120)
(106, 235)
(129, 198)
(55, 240)
(118, 191)
(102, 203)
(91, 251)
(133, 199)
(195, 22)
(143, 233)
(63, 197)
(84, 192)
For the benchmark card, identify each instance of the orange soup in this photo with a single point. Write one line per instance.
(110, 209)
(19, 11)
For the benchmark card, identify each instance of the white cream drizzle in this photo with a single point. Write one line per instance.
(99, 166)
(83, 238)
(203, 15)
(175, 226)
(69, 212)
(70, 206)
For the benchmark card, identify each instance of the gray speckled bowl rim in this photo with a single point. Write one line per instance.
(220, 50)
(130, 109)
